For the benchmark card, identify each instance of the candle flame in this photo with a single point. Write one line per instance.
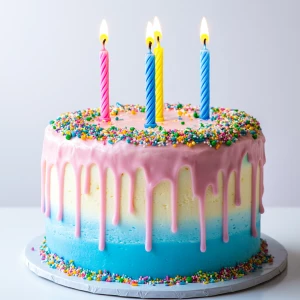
(204, 35)
(149, 34)
(157, 28)
(103, 31)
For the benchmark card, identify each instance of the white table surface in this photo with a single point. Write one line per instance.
(19, 225)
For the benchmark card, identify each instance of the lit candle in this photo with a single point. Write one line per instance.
(159, 72)
(104, 74)
(150, 80)
(204, 72)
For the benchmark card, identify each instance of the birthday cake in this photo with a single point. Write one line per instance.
(123, 201)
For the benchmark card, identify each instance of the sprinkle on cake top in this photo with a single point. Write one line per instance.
(181, 126)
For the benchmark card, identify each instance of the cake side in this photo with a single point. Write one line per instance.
(125, 243)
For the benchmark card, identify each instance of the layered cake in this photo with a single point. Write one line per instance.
(166, 201)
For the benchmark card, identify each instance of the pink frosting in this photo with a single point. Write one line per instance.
(158, 163)
(171, 120)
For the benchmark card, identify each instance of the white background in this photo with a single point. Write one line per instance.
(49, 64)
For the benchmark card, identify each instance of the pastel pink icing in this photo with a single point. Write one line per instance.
(171, 120)
(158, 163)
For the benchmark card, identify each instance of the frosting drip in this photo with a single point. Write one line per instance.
(158, 163)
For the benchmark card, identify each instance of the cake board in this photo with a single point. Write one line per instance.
(191, 290)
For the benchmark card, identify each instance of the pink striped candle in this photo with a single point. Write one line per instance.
(104, 74)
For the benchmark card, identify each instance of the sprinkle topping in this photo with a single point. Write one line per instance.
(182, 126)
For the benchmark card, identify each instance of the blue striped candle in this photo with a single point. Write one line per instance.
(204, 75)
(204, 72)
(150, 90)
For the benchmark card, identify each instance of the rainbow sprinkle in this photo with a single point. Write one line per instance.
(69, 268)
(227, 126)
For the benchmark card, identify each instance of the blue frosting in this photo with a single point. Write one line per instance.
(178, 253)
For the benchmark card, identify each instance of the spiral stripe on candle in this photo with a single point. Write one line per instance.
(205, 97)
(104, 85)
(150, 89)
(159, 83)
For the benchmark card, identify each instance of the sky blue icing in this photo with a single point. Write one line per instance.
(171, 254)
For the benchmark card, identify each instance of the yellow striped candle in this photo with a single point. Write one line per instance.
(159, 72)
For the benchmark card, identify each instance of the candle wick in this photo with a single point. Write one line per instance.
(150, 45)
(158, 39)
(103, 43)
(204, 42)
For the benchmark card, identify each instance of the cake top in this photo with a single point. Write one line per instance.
(181, 126)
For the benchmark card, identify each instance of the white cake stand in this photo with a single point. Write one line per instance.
(191, 290)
